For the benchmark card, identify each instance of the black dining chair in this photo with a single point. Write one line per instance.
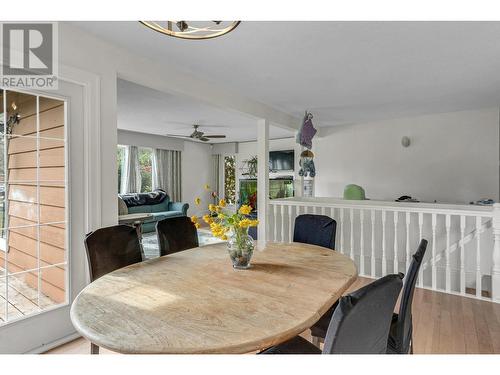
(176, 234)
(109, 249)
(401, 332)
(360, 323)
(315, 230)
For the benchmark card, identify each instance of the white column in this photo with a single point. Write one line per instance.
(495, 271)
(262, 179)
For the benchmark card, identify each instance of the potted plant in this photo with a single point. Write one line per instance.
(230, 227)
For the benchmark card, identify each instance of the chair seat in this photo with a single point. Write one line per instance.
(297, 345)
(321, 326)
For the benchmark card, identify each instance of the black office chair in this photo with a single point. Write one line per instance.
(401, 332)
(315, 230)
(176, 234)
(360, 324)
(109, 249)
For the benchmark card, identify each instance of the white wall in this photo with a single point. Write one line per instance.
(126, 137)
(196, 172)
(453, 158)
(196, 163)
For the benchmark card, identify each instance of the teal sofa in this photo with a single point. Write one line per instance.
(160, 211)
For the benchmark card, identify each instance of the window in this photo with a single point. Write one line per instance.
(230, 179)
(120, 161)
(145, 162)
(145, 156)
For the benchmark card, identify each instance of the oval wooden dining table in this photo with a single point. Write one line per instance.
(195, 302)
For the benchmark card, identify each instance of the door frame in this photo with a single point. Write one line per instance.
(77, 277)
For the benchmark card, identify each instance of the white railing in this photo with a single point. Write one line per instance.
(463, 254)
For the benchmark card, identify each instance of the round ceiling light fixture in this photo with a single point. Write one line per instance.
(192, 29)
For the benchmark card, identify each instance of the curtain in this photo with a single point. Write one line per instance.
(216, 185)
(167, 173)
(131, 173)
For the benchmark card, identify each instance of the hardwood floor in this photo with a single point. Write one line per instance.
(442, 324)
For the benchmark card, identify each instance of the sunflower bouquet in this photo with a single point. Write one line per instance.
(231, 227)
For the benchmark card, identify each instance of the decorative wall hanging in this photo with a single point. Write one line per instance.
(307, 131)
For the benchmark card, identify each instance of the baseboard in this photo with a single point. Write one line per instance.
(51, 345)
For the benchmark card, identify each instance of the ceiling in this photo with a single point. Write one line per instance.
(145, 110)
(344, 72)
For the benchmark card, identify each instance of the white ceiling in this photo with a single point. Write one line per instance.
(145, 110)
(345, 72)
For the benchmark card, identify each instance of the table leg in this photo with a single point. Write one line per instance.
(138, 229)
(94, 349)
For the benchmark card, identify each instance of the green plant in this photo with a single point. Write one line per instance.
(230, 179)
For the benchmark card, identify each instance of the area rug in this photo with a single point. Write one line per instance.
(150, 242)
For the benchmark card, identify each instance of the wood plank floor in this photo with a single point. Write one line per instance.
(443, 324)
(23, 299)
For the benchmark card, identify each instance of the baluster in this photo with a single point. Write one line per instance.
(478, 257)
(408, 219)
(342, 230)
(420, 233)
(282, 223)
(315, 210)
(384, 255)
(351, 216)
(396, 260)
(323, 210)
(447, 254)
(290, 238)
(433, 260)
(462, 254)
(362, 242)
(372, 260)
(495, 268)
(275, 214)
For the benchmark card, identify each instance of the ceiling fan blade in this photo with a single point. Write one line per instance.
(177, 136)
(215, 136)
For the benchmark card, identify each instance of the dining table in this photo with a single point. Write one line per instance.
(194, 302)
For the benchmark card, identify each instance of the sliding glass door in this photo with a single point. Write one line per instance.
(37, 222)
(33, 252)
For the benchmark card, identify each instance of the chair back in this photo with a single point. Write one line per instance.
(176, 234)
(315, 230)
(361, 322)
(111, 248)
(404, 324)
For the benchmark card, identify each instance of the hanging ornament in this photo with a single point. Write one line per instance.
(307, 131)
(306, 163)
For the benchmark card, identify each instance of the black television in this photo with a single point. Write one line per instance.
(282, 160)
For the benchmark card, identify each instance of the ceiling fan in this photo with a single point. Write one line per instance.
(198, 135)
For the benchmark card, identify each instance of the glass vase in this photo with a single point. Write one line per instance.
(240, 247)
